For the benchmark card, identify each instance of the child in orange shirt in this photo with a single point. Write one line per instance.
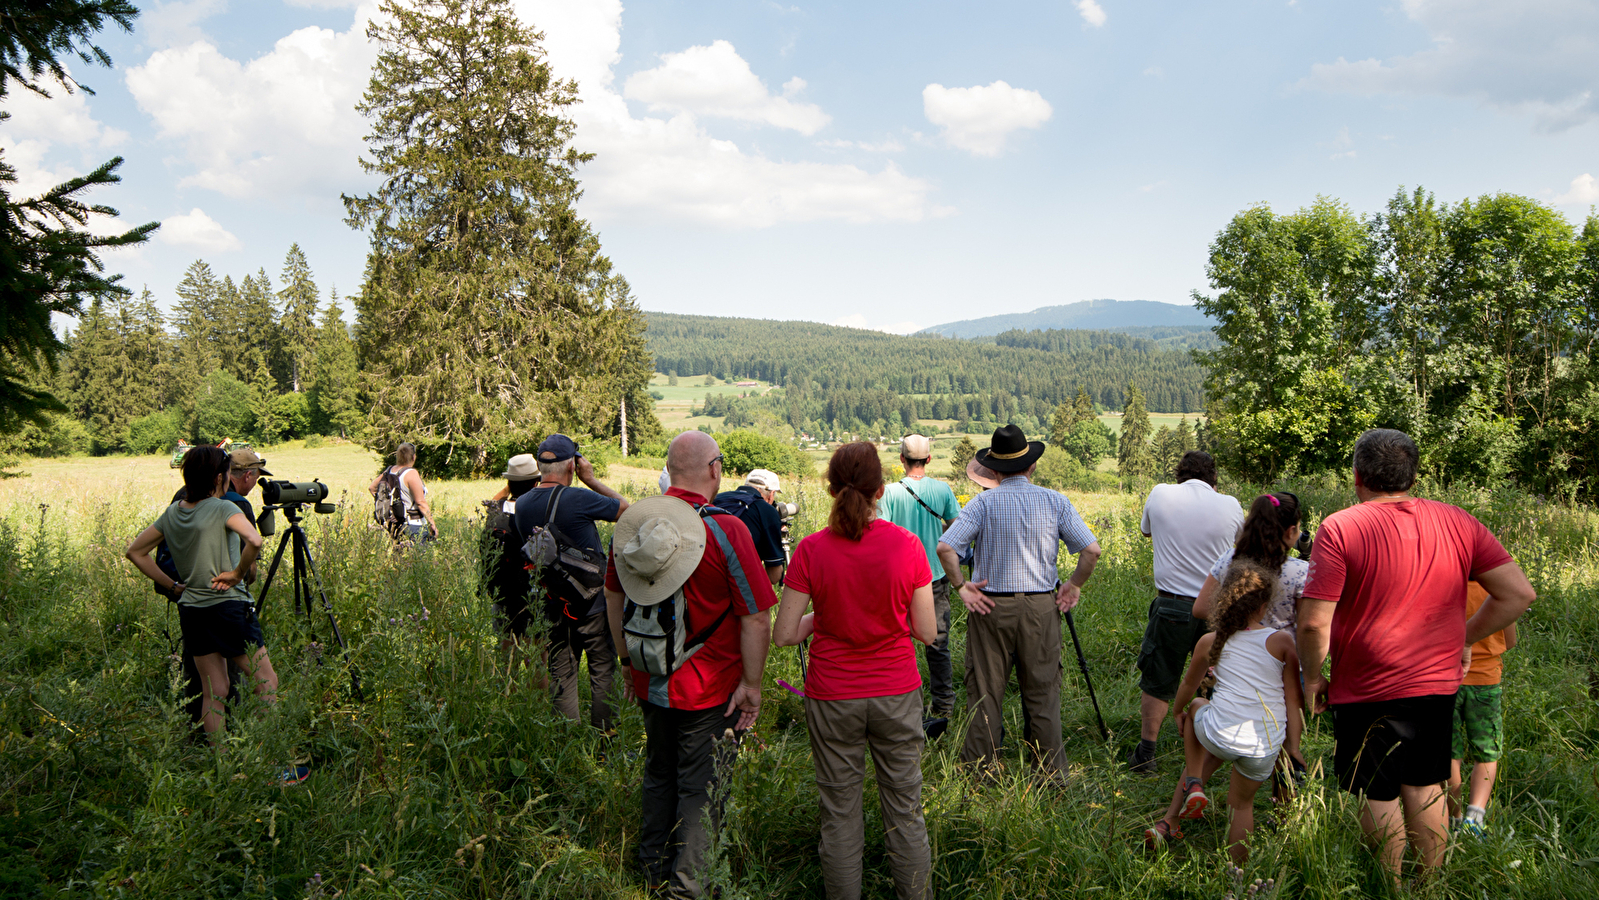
(1479, 720)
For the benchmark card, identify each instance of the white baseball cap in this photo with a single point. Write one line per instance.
(916, 446)
(764, 479)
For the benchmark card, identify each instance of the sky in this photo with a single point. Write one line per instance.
(882, 165)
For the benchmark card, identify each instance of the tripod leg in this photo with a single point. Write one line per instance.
(277, 557)
(327, 607)
(1082, 663)
(302, 586)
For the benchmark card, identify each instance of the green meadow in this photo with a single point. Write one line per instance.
(448, 775)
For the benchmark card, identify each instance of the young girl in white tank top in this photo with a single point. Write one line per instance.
(1255, 685)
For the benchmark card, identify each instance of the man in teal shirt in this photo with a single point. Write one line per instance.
(925, 507)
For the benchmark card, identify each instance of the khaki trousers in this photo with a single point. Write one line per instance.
(841, 730)
(1026, 627)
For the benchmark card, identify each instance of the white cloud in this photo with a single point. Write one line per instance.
(283, 124)
(1343, 145)
(885, 146)
(979, 119)
(1584, 189)
(1155, 72)
(716, 82)
(173, 22)
(673, 168)
(1151, 187)
(1534, 57)
(1091, 12)
(49, 140)
(198, 230)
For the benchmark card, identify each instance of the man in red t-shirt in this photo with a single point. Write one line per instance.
(717, 689)
(1387, 595)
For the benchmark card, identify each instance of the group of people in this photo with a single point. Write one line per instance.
(1414, 601)
(1406, 595)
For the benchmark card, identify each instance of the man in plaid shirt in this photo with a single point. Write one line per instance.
(1015, 598)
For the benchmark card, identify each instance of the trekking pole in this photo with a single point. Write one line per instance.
(1082, 663)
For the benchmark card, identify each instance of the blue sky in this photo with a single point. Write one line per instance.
(886, 165)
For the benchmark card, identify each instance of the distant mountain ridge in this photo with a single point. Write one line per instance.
(1101, 315)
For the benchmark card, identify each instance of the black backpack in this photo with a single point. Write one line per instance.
(504, 574)
(388, 507)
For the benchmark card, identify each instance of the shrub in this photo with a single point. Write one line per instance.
(314, 441)
(156, 433)
(222, 408)
(743, 451)
(293, 412)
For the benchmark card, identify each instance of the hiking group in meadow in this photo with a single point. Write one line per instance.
(1414, 601)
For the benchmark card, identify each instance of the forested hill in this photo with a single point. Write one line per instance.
(1104, 315)
(1032, 371)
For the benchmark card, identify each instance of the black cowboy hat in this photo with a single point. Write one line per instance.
(1010, 451)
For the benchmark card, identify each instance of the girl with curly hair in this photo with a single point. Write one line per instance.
(1254, 684)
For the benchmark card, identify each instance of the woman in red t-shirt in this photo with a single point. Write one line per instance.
(871, 589)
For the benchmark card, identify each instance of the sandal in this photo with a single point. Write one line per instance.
(1160, 834)
(1195, 801)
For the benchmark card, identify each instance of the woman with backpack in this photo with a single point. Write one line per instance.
(402, 498)
(870, 586)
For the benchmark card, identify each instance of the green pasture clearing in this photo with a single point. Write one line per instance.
(451, 776)
(1156, 420)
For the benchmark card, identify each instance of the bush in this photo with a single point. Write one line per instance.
(60, 436)
(156, 433)
(222, 408)
(293, 412)
(314, 441)
(743, 451)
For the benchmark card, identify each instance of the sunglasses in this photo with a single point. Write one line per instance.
(716, 459)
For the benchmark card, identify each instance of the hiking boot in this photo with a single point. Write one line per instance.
(1141, 764)
(1161, 834)
(1194, 800)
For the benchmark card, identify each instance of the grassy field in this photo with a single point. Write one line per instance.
(450, 777)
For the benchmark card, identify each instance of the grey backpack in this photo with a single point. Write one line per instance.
(660, 639)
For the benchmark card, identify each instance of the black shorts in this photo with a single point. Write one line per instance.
(1169, 640)
(1388, 743)
(229, 628)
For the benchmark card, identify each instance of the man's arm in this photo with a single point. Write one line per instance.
(1314, 637)
(1072, 591)
(970, 592)
(1509, 595)
(754, 636)
(585, 473)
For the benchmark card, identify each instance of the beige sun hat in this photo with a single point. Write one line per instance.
(659, 542)
(521, 467)
(982, 475)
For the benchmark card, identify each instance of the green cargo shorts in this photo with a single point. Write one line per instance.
(1479, 722)
(1168, 640)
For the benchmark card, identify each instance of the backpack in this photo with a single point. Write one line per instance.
(504, 574)
(659, 638)
(570, 573)
(389, 506)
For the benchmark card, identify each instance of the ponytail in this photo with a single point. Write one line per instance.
(854, 476)
(1261, 537)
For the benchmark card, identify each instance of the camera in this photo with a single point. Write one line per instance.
(295, 493)
(787, 511)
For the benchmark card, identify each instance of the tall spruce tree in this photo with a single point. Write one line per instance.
(49, 258)
(335, 387)
(1134, 459)
(297, 321)
(488, 315)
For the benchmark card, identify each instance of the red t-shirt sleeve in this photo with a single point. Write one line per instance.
(1487, 553)
(798, 576)
(1327, 572)
(611, 581)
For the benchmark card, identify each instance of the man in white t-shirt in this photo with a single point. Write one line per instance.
(1191, 526)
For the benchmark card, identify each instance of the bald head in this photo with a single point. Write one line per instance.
(688, 460)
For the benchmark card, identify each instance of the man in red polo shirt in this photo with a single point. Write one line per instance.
(1387, 595)
(718, 688)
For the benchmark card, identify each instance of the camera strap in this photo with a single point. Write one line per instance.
(919, 502)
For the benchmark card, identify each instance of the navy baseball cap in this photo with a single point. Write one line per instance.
(557, 447)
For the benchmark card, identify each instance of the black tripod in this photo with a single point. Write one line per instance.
(305, 580)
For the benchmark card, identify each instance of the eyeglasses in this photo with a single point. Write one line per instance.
(716, 459)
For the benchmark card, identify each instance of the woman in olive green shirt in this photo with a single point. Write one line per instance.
(213, 543)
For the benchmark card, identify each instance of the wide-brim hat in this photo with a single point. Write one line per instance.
(1009, 451)
(521, 467)
(658, 543)
(981, 474)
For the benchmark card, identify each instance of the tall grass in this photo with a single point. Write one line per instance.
(451, 776)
